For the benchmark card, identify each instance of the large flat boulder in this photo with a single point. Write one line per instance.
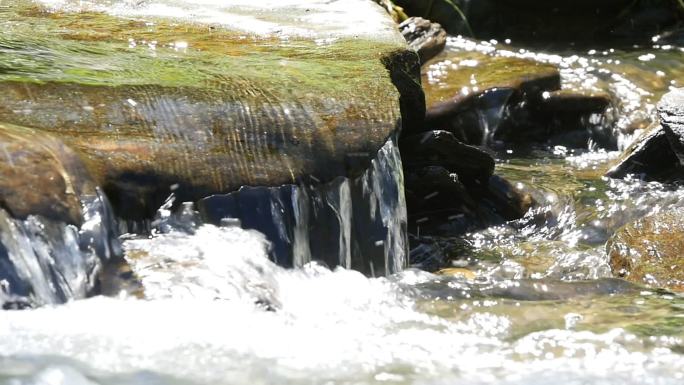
(208, 97)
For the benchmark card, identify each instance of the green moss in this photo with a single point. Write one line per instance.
(97, 49)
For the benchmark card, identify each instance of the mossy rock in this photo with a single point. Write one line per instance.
(650, 251)
(211, 98)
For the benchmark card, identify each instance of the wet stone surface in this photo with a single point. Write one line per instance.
(649, 251)
(659, 153)
(201, 102)
(504, 100)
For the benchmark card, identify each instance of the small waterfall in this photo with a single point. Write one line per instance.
(354, 223)
(44, 261)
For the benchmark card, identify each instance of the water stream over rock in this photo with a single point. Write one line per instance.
(307, 278)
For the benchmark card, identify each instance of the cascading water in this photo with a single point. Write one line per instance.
(357, 223)
(44, 261)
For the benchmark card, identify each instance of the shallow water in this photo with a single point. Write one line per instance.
(536, 303)
(540, 309)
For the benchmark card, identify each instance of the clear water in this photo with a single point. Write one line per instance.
(538, 306)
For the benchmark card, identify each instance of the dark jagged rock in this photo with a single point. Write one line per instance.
(435, 196)
(440, 204)
(428, 39)
(434, 253)
(573, 118)
(651, 158)
(658, 154)
(672, 37)
(441, 148)
(650, 251)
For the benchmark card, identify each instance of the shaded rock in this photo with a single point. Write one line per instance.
(550, 22)
(650, 251)
(456, 76)
(428, 39)
(503, 100)
(448, 13)
(650, 157)
(441, 148)
(218, 105)
(658, 154)
(505, 200)
(575, 102)
(431, 253)
(673, 37)
(574, 118)
(56, 228)
(439, 204)
(434, 196)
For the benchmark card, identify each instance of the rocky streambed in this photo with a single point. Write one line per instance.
(212, 192)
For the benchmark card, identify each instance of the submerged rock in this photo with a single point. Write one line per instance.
(484, 97)
(650, 251)
(428, 39)
(441, 148)
(209, 104)
(522, 289)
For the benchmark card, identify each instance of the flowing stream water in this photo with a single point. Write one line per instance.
(536, 303)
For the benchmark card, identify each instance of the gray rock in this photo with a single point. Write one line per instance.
(659, 154)
(671, 112)
(651, 157)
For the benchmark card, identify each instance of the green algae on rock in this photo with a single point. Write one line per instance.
(223, 96)
(650, 251)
